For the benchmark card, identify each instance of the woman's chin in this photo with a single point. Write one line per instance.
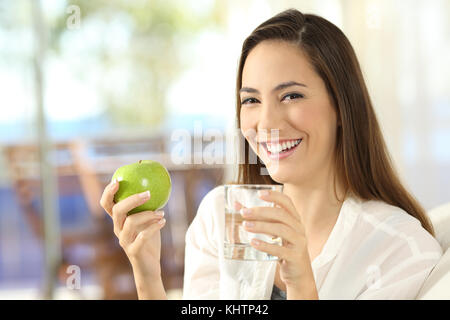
(279, 174)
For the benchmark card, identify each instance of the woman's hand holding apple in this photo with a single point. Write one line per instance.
(139, 234)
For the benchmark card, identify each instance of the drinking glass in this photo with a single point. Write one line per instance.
(237, 239)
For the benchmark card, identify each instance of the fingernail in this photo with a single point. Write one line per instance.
(263, 193)
(159, 213)
(145, 195)
(246, 211)
(256, 242)
(162, 221)
(114, 183)
(249, 224)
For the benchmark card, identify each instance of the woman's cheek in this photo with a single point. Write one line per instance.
(245, 120)
(301, 119)
(248, 123)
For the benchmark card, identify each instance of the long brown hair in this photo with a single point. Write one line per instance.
(363, 164)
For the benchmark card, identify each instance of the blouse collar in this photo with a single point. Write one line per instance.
(343, 226)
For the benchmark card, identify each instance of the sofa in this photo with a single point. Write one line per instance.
(437, 285)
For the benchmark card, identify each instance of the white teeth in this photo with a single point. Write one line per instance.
(277, 148)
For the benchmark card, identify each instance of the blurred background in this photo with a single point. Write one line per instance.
(88, 86)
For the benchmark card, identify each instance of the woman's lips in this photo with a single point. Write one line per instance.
(282, 154)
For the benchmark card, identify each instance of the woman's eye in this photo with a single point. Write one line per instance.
(249, 101)
(292, 96)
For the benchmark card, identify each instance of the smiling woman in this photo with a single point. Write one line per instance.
(335, 104)
(350, 229)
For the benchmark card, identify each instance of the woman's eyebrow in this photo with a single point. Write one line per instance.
(281, 86)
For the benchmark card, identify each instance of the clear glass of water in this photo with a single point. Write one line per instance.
(237, 239)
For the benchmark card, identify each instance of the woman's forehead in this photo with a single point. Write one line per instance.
(273, 62)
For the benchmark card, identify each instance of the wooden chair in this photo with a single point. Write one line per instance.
(91, 164)
(109, 261)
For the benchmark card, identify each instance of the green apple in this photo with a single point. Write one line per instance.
(142, 176)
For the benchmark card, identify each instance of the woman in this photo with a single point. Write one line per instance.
(350, 230)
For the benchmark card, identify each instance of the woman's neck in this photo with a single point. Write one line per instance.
(317, 203)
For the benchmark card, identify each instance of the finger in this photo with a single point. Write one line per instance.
(280, 199)
(233, 228)
(272, 229)
(273, 249)
(136, 223)
(238, 206)
(146, 235)
(120, 209)
(107, 198)
(271, 214)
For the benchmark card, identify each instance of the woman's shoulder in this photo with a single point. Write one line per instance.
(215, 193)
(211, 205)
(214, 198)
(381, 220)
(206, 223)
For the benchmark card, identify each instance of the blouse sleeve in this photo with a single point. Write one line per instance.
(201, 275)
(401, 283)
(408, 260)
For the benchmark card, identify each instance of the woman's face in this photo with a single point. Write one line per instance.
(281, 91)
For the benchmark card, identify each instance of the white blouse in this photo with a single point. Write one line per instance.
(375, 251)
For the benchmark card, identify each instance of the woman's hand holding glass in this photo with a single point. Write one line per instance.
(282, 221)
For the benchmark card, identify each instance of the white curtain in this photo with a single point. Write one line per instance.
(404, 50)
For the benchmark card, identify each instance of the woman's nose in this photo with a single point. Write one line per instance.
(269, 118)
